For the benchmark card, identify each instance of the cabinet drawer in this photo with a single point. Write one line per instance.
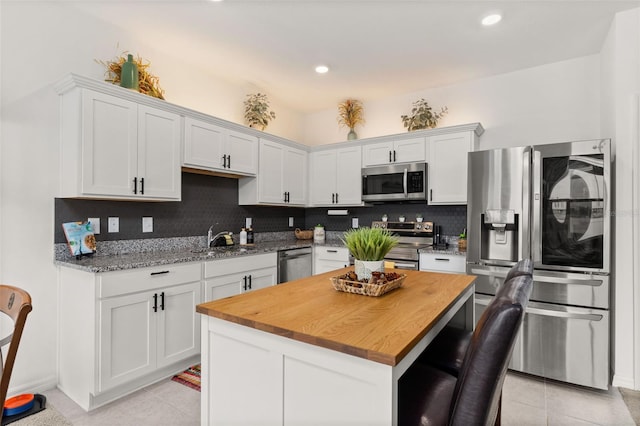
(215, 268)
(144, 279)
(340, 254)
(443, 262)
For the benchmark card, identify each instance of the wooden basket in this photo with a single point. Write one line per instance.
(356, 287)
(303, 235)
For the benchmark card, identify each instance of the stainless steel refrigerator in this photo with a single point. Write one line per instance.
(550, 203)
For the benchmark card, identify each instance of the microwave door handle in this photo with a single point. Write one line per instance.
(404, 184)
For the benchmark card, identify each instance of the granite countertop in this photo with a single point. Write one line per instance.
(449, 250)
(117, 262)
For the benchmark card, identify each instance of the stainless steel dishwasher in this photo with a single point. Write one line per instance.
(294, 264)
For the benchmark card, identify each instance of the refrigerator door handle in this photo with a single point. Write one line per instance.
(567, 281)
(536, 231)
(561, 314)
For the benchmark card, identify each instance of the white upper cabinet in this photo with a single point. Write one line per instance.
(448, 166)
(128, 151)
(282, 177)
(208, 146)
(115, 148)
(336, 177)
(404, 150)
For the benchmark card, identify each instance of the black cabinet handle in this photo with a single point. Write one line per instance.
(332, 251)
(224, 161)
(288, 197)
(390, 156)
(162, 300)
(135, 185)
(244, 286)
(228, 161)
(249, 282)
(333, 197)
(142, 186)
(159, 273)
(394, 155)
(431, 195)
(337, 197)
(155, 302)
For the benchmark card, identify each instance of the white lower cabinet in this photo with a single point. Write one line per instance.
(442, 262)
(228, 277)
(326, 258)
(122, 330)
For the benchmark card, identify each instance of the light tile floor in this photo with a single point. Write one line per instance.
(526, 401)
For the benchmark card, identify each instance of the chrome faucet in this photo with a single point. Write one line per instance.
(212, 238)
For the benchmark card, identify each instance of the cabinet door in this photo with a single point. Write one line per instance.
(127, 339)
(323, 177)
(272, 168)
(109, 145)
(261, 278)
(158, 153)
(448, 168)
(223, 286)
(410, 150)
(178, 323)
(295, 175)
(204, 145)
(242, 153)
(377, 154)
(349, 176)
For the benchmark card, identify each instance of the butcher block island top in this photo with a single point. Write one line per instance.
(381, 329)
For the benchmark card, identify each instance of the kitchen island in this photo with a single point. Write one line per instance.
(303, 353)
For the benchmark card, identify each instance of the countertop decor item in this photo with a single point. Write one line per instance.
(422, 116)
(147, 82)
(369, 246)
(350, 114)
(375, 286)
(303, 235)
(129, 74)
(256, 111)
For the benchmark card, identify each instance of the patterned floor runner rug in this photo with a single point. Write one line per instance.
(190, 377)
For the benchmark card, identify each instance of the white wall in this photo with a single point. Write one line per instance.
(40, 43)
(621, 85)
(545, 104)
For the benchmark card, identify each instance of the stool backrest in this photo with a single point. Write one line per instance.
(16, 304)
(477, 393)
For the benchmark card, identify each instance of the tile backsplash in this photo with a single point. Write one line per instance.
(213, 201)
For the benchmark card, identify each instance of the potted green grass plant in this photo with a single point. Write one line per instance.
(369, 246)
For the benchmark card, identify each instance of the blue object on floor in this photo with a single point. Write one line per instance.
(38, 404)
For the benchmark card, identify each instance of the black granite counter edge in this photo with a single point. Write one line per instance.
(119, 262)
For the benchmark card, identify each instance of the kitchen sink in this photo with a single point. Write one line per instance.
(223, 249)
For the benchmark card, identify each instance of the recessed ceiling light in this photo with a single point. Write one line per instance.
(492, 19)
(322, 69)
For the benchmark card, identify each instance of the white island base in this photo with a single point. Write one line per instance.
(253, 377)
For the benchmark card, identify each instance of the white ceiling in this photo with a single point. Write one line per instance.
(374, 48)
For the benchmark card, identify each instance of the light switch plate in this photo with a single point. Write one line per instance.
(291, 222)
(354, 222)
(114, 224)
(247, 222)
(95, 223)
(147, 224)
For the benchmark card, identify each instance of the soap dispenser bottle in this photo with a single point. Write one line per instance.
(243, 237)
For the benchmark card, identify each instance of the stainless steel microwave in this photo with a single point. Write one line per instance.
(395, 182)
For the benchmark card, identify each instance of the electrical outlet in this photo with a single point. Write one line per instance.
(354, 222)
(114, 224)
(247, 222)
(95, 223)
(290, 222)
(147, 224)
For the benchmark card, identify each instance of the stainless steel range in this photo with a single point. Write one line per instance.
(413, 236)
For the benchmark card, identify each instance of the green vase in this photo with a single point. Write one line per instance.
(129, 74)
(352, 135)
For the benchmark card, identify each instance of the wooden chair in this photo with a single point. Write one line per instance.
(15, 303)
(429, 395)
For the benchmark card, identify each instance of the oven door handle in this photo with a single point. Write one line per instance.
(406, 265)
(404, 183)
(566, 281)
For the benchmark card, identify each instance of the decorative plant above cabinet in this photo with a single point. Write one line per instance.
(256, 111)
(148, 83)
(422, 116)
(350, 114)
